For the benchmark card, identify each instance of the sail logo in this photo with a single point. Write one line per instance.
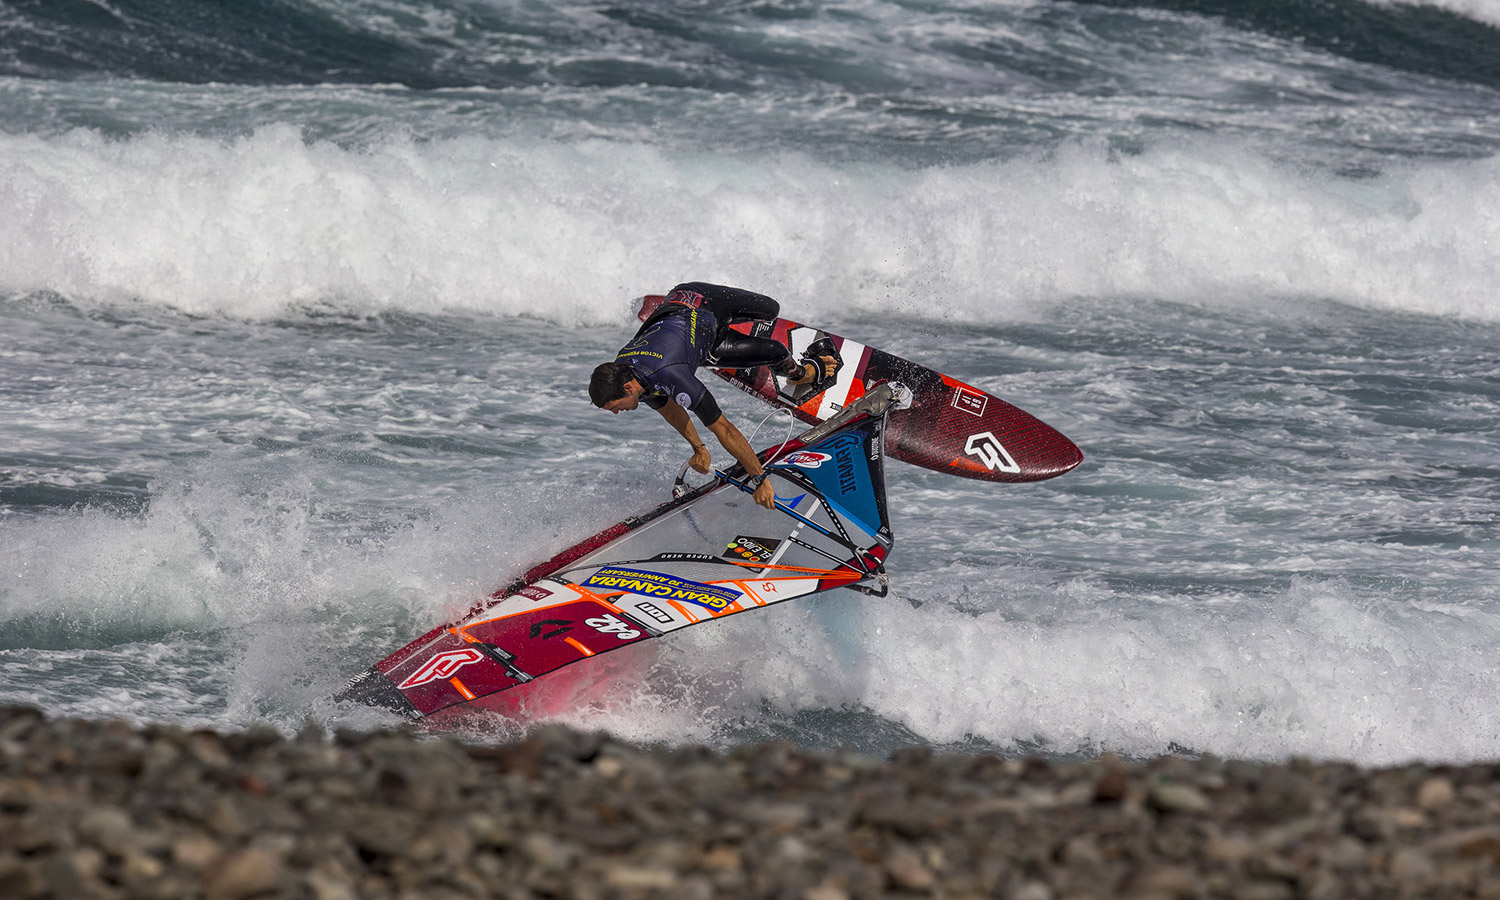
(806, 459)
(752, 549)
(987, 448)
(848, 484)
(655, 584)
(611, 625)
(441, 666)
(844, 476)
(654, 612)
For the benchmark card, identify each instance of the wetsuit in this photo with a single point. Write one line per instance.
(690, 329)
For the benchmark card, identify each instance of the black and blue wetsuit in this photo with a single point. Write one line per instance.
(692, 329)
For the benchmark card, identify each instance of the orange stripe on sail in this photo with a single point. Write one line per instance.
(579, 647)
(583, 594)
(459, 686)
(682, 609)
(805, 570)
(745, 588)
(604, 600)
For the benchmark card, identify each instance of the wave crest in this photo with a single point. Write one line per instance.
(271, 225)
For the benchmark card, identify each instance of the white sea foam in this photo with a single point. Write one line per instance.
(1486, 11)
(243, 572)
(256, 614)
(1319, 671)
(268, 225)
(1222, 586)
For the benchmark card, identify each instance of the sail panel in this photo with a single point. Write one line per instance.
(711, 554)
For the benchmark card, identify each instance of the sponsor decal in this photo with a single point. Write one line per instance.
(684, 557)
(686, 298)
(987, 448)
(441, 666)
(654, 612)
(752, 549)
(534, 592)
(655, 584)
(637, 347)
(683, 400)
(843, 457)
(608, 624)
(846, 483)
(971, 402)
(806, 459)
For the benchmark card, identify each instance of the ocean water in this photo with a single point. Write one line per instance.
(299, 298)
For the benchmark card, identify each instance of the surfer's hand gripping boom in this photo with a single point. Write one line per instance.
(776, 504)
(764, 493)
(701, 459)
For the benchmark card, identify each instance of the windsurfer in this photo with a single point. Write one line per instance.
(691, 329)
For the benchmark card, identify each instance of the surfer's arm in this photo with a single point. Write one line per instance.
(740, 449)
(679, 419)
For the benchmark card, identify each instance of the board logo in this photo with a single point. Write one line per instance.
(971, 402)
(806, 459)
(535, 593)
(441, 666)
(987, 449)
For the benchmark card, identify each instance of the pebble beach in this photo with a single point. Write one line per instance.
(105, 809)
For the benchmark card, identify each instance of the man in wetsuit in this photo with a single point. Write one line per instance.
(690, 329)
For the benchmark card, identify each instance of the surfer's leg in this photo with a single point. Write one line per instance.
(740, 351)
(733, 350)
(727, 303)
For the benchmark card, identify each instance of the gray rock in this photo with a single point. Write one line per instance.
(243, 874)
(73, 873)
(907, 871)
(1167, 796)
(102, 810)
(195, 851)
(1435, 793)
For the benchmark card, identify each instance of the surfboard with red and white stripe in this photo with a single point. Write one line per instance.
(951, 426)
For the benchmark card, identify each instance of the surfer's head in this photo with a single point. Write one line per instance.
(614, 387)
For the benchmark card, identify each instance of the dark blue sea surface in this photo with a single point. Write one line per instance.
(298, 302)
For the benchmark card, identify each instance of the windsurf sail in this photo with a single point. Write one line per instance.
(708, 554)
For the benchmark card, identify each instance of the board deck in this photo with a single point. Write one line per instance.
(951, 426)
